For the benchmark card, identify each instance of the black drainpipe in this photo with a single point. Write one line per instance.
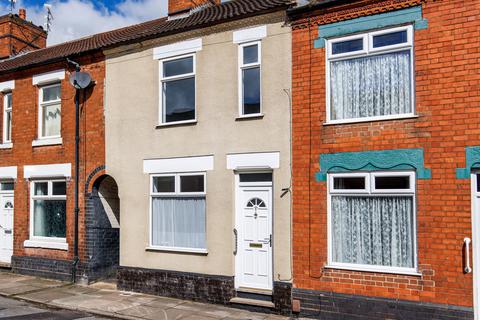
(77, 170)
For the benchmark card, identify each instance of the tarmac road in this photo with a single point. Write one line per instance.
(20, 310)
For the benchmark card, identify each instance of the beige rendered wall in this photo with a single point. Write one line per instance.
(132, 136)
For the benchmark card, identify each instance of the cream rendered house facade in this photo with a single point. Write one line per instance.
(198, 140)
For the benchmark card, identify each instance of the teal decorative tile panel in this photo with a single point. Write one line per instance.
(472, 157)
(376, 21)
(398, 159)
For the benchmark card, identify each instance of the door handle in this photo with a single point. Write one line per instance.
(467, 268)
(235, 234)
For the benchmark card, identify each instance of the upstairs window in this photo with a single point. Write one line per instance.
(50, 111)
(7, 117)
(370, 76)
(250, 78)
(177, 77)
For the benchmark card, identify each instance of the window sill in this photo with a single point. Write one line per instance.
(177, 123)
(376, 270)
(372, 119)
(250, 117)
(178, 250)
(8, 145)
(47, 142)
(46, 245)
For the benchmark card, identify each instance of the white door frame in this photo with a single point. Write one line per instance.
(238, 213)
(475, 240)
(10, 193)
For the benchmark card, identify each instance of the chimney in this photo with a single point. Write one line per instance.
(182, 6)
(17, 35)
(22, 13)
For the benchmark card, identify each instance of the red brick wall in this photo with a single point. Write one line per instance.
(447, 60)
(25, 125)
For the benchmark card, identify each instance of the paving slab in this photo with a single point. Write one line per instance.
(164, 302)
(44, 296)
(146, 312)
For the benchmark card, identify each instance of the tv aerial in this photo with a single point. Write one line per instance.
(48, 17)
(12, 5)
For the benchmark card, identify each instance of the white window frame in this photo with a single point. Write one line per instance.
(364, 175)
(161, 95)
(42, 104)
(411, 176)
(368, 51)
(7, 110)
(49, 196)
(178, 194)
(371, 192)
(241, 67)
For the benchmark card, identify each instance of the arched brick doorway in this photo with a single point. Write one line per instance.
(102, 226)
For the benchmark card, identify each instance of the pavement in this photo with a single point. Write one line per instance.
(102, 300)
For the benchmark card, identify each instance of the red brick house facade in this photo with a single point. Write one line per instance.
(434, 140)
(37, 164)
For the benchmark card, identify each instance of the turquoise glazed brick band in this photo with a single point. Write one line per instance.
(472, 159)
(384, 160)
(376, 21)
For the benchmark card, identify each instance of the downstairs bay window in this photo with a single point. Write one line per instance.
(370, 76)
(178, 213)
(372, 221)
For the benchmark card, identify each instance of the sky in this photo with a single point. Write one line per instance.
(74, 19)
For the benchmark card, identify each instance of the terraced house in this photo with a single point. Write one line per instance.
(187, 121)
(37, 157)
(385, 159)
(198, 141)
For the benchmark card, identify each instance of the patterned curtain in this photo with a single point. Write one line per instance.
(373, 230)
(371, 86)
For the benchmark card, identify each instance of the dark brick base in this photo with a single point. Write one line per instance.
(329, 305)
(42, 267)
(196, 287)
(182, 285)
(282, 297)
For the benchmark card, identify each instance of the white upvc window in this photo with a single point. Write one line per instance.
(178, 212)
(7, 117)
(372, 221)
(177, 90)
(250, 79)
(370, 76)
(48, 210)
(50, 111)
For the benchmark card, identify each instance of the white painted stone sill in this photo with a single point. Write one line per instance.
(7, 145)
(47, 142)
(45, 245)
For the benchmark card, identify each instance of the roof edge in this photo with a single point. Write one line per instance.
(296, 11)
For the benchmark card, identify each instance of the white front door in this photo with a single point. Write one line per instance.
(254, 226)
(6, 228)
